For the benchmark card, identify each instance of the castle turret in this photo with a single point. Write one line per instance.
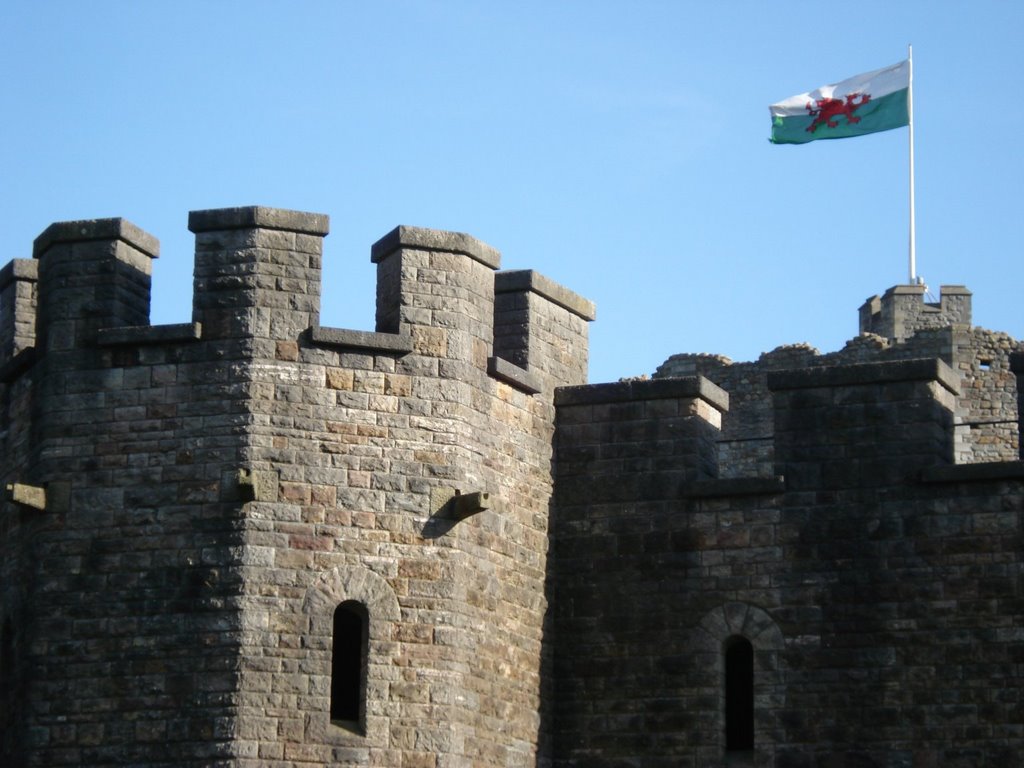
(902, 311)
(259, 539)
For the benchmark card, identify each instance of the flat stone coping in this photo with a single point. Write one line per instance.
(920, 290)
(923, 369)
(258, 217)
(96, 229)
(372, 340)
(734, 486)
(960, 473)
(513, 375)
(650, 389)
(522, 280)
(420, 238)
(19, 269)
(149, 334)
(906, 290)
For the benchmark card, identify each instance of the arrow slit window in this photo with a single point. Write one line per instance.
(348, 665)
(739, 694)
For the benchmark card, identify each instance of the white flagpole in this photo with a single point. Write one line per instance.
(910, 123)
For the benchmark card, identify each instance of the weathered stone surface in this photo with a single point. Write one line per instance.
(898, 326)
(226, 489)
(549, 573)
(868, 574)
(419, 238)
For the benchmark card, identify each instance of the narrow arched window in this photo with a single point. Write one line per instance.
(348, 663)
(739, 694)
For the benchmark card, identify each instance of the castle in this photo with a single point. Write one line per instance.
(251, 540)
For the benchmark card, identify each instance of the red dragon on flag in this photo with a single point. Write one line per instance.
(825, 111)
(873, 101)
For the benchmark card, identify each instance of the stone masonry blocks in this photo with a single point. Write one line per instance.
(867, 421)
(541, 326)
(196, 609)
(257, 272)
(18, 297)
(92, 274)
(191, 504)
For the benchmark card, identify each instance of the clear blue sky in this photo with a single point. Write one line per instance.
(619, 148)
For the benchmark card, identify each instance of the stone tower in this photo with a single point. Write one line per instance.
(211, 527)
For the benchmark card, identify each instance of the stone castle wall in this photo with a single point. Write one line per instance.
(545, 572)
(215, 490)
(876, 581)
(897, 326)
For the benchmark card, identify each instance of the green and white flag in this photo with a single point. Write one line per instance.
(868, 103)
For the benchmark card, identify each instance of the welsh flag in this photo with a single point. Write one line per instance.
(868, 103)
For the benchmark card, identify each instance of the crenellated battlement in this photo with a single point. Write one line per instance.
(226, 483)
(258, 277)
(898, 326)
(902, 311)
(809, 510)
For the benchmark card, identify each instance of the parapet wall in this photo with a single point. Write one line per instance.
(96, 275)
(986, 412)
(902, 311)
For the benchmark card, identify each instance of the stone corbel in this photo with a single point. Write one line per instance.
(257, 484)
(28, 495)
(467, 504)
